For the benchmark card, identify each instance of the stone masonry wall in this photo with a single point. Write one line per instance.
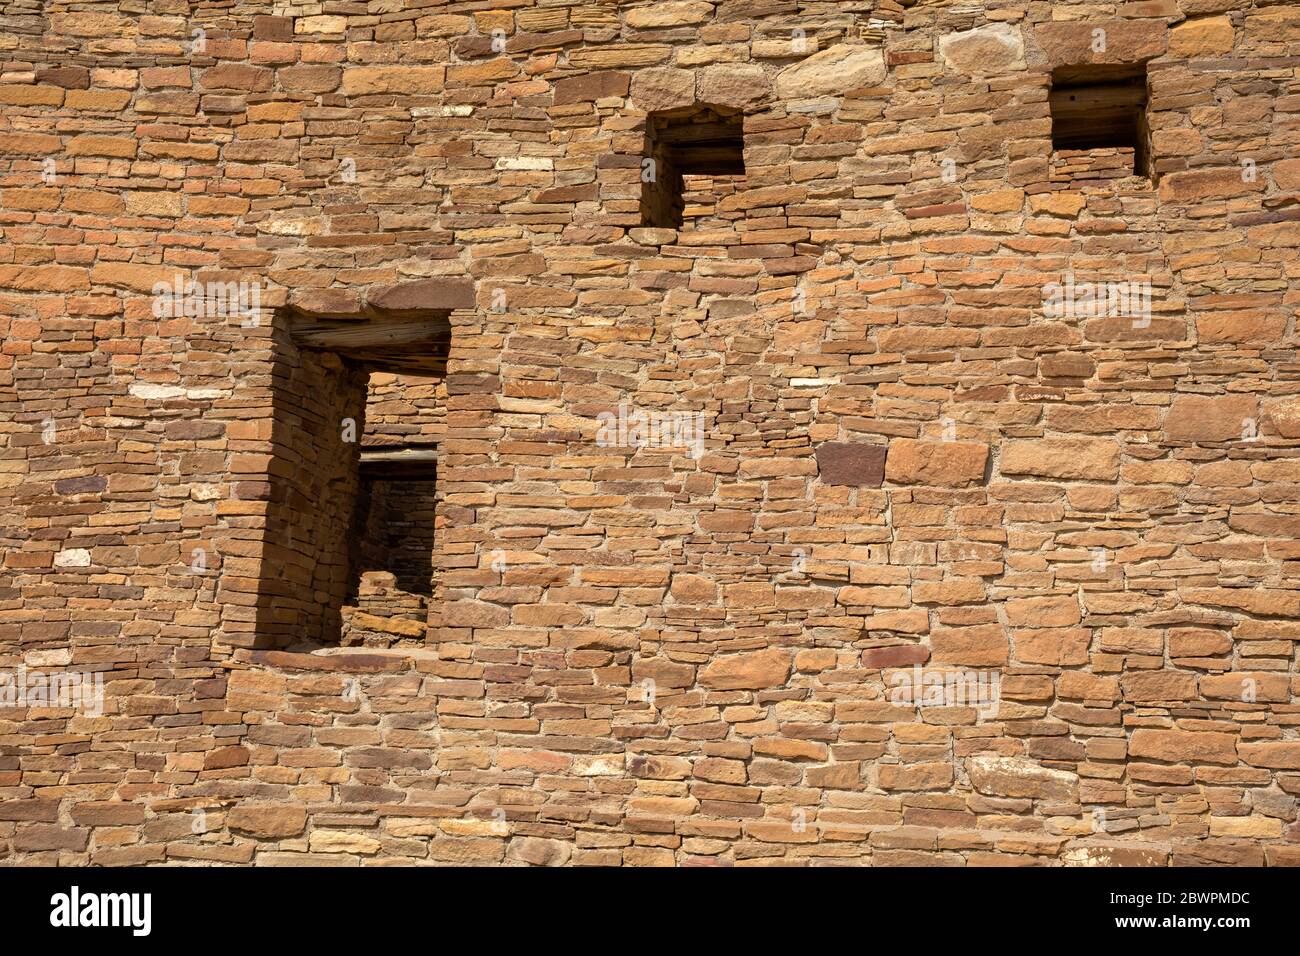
(405, 410)
(636, 654)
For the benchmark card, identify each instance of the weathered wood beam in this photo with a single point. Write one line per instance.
(411, 462)
(347, 335)
(398, 454)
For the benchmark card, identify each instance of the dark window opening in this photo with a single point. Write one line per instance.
(392, 546)
(348, 553)
(395, 517)
(701, 149)
(1102, 108)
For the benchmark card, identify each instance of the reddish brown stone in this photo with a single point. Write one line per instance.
(439, 294)
(590, 86)
(89, 485)
(1068, 43)
(225, 757)
(43, 836)
(272, 28)
(41, 810)
(851, 463)
(897, 655)
(68, 77)
(310, 78)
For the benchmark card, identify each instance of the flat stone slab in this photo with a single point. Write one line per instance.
(442, 294)
(856, 464)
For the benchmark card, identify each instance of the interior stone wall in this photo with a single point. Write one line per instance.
(309, 554)
(397, 530)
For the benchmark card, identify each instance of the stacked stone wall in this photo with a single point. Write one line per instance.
(912, 460)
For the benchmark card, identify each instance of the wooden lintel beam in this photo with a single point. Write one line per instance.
(688, 136)
(348, 336)
(409, 462)
(399, 454)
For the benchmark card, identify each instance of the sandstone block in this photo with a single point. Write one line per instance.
(1014, 777)
(1043, 611)
(896, 655)
(948, 464)
(832, 72)
(1055, 647)
(1069, 43)
(1181, 746)
(1075, 458)
(1205, 418)
(1285, 416)
(983, 645)
(662, 88)
(342, 841)
(855, 464)
(269, 822)
(1254, 826)
(747, 671)
(367, 80)
(1205, 37)
(996, 48)
(675, 13)
(590, 86)
(1276, 755)
(437, 294)
(1199, 185)
(736, 85)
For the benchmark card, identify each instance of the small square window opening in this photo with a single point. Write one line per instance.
(693, 158)
(1103, 108)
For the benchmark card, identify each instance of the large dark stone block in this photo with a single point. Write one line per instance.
(851, 463)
